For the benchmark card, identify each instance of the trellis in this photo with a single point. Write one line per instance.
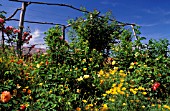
(23, 9)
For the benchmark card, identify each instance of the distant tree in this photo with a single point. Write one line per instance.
(99, 31)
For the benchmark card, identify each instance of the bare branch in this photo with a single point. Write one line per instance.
(70, 6)
(13, 14)
(36, 22)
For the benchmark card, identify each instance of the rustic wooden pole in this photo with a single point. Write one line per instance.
(134, 33)
(3, 39)
(21, 26)
(63, 30)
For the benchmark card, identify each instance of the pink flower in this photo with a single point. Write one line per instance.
(61, 38)
(2, 20)
(26, 33)
(155, 85)
(16, 31)
(9, 28)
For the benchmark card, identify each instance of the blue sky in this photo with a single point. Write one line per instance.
(152, 15)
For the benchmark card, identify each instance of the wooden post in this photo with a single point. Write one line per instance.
(134, 33)
(3, 39)
(21, 26)
(63, 30)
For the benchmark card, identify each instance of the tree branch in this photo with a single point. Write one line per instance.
(13, 14)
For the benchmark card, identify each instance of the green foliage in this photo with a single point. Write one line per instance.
(99, 31)
(77, 75)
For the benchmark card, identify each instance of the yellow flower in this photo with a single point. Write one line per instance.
(143, 106)
(137, 101)
(131, 101)
(50, 91)
(136, 89)
(134, 92)
(76, 68)
(86, 76)
(131, 67)
(141, 88)
(38, 65)
(106, 75)
(26, 104)
(116, 68)
(152, 104)
(113, 62)
(121, 92)
(0, 59)
(137, 54)
(144, 93)
(27, 87)
(84, 60)
(112, 72)
(159, 105)
(124, 104)
(145, 65)
(90, 59)
(30, 97)
(132, 64)
(120, 85)
(121, 71)
(84, 69)
(104, 107)
(101, 81)
(104, 95)
(84, 101)
(108, 92)
(113, 85)
(167, 107)
(123, 89)
(78, 91)
(101, 72)
(80, 79)
(18, 86)
(111, 99)
(122, 80)
(91, 105)
(40, 84)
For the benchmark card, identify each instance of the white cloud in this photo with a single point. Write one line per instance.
(109, 3)
(159, 11)
(36, 33)
(148, 25)
(37, 39)
(149, 11)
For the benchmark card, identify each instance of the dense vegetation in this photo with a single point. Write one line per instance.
(102, 68)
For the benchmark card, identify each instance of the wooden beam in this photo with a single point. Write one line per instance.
(21, 26)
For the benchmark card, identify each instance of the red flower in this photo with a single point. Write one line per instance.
(2, 20)
(16, 31)
(26, 34)
(5, 96)
(22, 107)
(9, 28)
(155, 85)
(46, 63)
